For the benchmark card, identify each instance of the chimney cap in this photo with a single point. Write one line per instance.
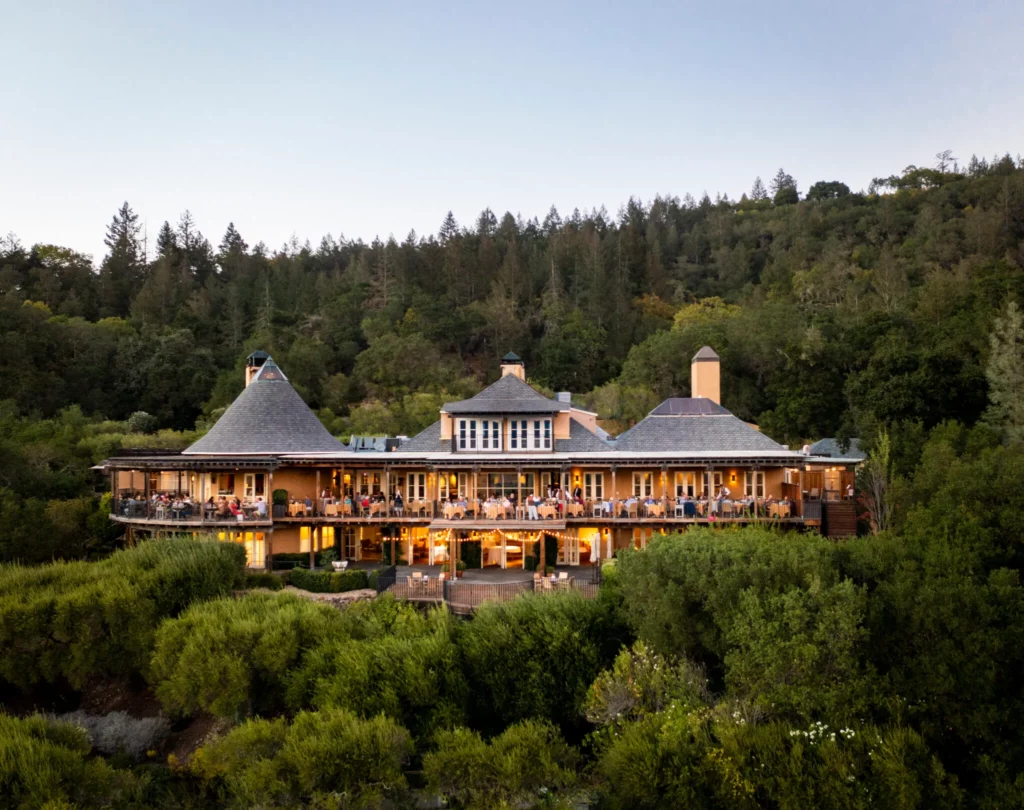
(563, 396)
(511, 357)
(705, 354)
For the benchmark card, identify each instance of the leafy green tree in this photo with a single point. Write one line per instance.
(1005, 372)
(828, 190)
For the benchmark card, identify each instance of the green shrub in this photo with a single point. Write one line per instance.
(233, 657)
(43, 763)
(527, 765)
(120, 733)
(279, 497)
(290, 558)
(76, 621)
(321, 759)
(535, 657)
(406, 666)
(328, 581)
(681, 593)
(264, 580)
(683, 758)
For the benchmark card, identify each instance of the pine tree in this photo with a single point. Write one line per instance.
(122, 269)
(784, 190)
(758, 191)
(1005, 373)
(166, 240)
(449, 229)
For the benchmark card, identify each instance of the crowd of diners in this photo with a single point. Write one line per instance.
(182, 506)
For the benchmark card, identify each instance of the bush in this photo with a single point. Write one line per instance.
(682, 592)
(321, 759)
(527, 765)
(328, 581)
(280, 497)
(406, 667)
(43, 763)
(233, 657)
(120, 733)
(264, 580)
(535, 657)
(142, 422)
(76, 621)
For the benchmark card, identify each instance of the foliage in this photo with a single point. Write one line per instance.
(264, 580)
(78, 621)
(44, 763)
(1005, 372)
(328, 581)
(329, 758)
(536, 657)
(234, 657)
(527, 765)
(405, 665)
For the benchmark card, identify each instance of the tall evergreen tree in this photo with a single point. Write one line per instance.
(122, 268)
(758, 191)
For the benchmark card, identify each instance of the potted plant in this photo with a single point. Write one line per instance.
(549, 570)
(280, 501)
(460, 569)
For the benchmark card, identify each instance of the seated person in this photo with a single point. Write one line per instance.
(261, 508)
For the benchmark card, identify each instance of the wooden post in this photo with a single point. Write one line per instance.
(664, 491)
(312, 545)
(270, 494)
(519, 489)
(615, 493)
(202, 497)
(270, 549)
(316, 496)
(145, 489)
(394, 559)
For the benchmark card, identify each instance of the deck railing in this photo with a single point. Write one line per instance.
(181, 511)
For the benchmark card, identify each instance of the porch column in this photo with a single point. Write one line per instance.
(519, 488)
(145, 489)
(270, 549)
(202, 497)
(387, 492)
(615, 511)
(270, 494)
(312, 546)
(394, 559)
(113, 491)
(664, 491)
(316, 496)
(542, 565)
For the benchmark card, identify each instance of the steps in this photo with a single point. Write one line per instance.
(840, 519)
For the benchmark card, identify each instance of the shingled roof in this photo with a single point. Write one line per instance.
(580, 440)
(268, 417)
(694, 426)
(508, 395)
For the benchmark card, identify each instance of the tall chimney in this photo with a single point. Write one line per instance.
(705, 375)
(512, 364)
(253, 364)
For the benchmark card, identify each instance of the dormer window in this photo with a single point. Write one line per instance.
(479, 434)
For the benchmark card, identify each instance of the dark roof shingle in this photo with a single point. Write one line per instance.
(580, 440)
(508, 395)
(268, 417)
(694, 426)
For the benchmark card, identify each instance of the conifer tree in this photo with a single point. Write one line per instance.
(758, 191)
(122, 269)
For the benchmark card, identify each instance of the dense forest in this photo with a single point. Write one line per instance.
(835, 314)
(716, 668)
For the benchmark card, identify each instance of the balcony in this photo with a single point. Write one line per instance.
(185, 513)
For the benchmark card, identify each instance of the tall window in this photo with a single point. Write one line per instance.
(486, 437)
(547, 434)
(754, 484)
(593, 486)
(416, 487)
(254, 487)
(686, 484)
(513, 434)
(713, 485)
(643, 484)
(467, 434)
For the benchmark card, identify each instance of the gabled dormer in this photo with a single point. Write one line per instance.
(507, 416)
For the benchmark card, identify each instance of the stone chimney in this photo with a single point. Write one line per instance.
(253, 364)
(564, 396)
(705, 375)
(511, 364)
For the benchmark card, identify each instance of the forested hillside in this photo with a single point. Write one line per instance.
(834, 313)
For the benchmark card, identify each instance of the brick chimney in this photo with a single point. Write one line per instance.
(512, 364)
(705, 375)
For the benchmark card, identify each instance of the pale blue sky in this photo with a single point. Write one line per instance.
(373, 118)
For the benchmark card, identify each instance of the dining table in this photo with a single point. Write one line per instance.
(493, 556)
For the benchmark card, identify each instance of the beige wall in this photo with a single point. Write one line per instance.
(705, 380)
(588, 420)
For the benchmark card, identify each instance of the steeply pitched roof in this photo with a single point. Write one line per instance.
(830, 447)
(511, 357)
(580, 440)
(699, 426)
(427, 441)
(705, 353)
(689, 406)
(508, 395)
(268, 417)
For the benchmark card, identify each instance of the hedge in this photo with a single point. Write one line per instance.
(264, 580)
(77, 621)
(329, 581)
(45, 763)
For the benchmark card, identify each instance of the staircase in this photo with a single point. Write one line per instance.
(840, 519)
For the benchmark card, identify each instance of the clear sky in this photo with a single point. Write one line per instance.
(373, 118)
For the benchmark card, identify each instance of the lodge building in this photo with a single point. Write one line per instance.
(508, 478)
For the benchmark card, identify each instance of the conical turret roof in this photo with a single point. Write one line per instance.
(267, 418)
